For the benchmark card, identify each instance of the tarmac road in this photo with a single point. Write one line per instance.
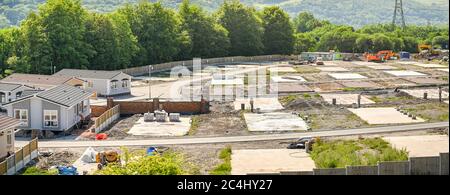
(233, 139)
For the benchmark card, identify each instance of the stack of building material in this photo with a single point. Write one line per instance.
(149, 117)
(161, 116)
(174, 117)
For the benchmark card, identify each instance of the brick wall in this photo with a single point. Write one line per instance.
(96, 111)
(139, 107)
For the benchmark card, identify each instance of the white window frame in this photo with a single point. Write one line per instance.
(125, 83)
(9, 138)
(114, 84)
(23, 122)
(2, 97)
(51, 113)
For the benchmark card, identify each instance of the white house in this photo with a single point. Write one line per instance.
(7, 127)
(10, 92)
(56, 109)
(104, 83)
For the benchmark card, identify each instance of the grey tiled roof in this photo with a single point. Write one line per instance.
(94, 74)
(8, 86)
(65, 95)
(7, 122)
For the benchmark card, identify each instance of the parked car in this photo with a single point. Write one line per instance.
(300, 143)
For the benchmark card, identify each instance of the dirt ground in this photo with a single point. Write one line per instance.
(318, 113)
(222, 120)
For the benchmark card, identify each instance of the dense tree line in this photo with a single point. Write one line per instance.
(63, 34)
(356, 13)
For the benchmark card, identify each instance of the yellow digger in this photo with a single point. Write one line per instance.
(106, 157)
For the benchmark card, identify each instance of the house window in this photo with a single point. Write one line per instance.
(90, 84)
(125, 83)
(2, 97)
(114, 84)
(22, 116)
(9, 139)
(50, 118)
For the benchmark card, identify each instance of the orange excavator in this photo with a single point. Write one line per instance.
(381, 56)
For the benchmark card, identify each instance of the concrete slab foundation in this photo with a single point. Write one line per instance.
(282, 69)
(265, 104)
(287, 79)
(332, 69)
(432, 93)
(289, 88)
(378, 116)
(404, 73)
(347, 76)
(345, 99)
(420, 146)
(270, 161)
(360, 84)
(274, 122)
(158, 129)
(382, 67)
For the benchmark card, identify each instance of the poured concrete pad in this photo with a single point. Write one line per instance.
(265, 104)
(378, 116)
(432, 93)
(444, 69)
(329, 63)
(427, 81)
(282, 69)
(332, 69)
(382, 67)
(287, 79)
(430, 65)
(289, 88)
(347, 76)
(396, 83)
(236, 81)
(421, 146)
(365, 63)
(360, 84)
(404, 73)
(407, 62)
(158, 129)
(328, 87)
(275, 121)
(345, 99)
(263, 161)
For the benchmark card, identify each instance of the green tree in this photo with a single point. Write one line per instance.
(244, 27)
(100, 34)
(382, 42)
(306, 22)
(37, 51)
(63, 22)
(440, 41)
(304, 42)
(411, 44)
(363, 43)
(278, 37)
(158, 31)
(126, 41)
(209, 39)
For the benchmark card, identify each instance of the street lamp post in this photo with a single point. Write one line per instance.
(150, 68)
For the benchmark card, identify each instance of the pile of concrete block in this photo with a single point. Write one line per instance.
(161, 116)
(174, 117)
(149, 117)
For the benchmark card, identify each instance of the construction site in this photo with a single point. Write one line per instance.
(315, 113)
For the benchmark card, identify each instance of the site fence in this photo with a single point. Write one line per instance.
(142, 70)
(19, 159)
(430, 165)
(108, 117)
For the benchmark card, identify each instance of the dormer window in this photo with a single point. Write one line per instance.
(114, 84)
(125, 83)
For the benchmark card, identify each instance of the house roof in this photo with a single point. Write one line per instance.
(46, 81)
(7, 122)
(8, 86)
(94, 74)
(65, 95)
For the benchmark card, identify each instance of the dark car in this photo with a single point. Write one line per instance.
(300, 144)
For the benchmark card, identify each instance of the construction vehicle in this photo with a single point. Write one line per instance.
(428, 52)
(381, 56)
(106, 157)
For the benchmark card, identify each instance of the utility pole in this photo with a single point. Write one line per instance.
(150, 68)
(399, 16)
